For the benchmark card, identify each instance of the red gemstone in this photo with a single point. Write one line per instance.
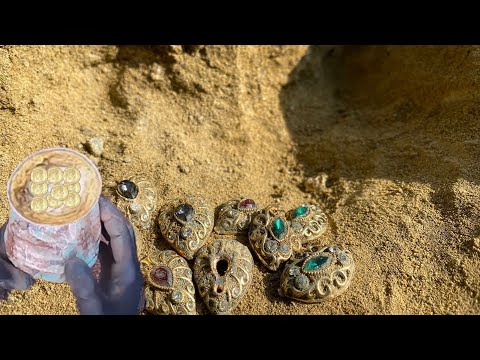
(247, 204)
(162, 276)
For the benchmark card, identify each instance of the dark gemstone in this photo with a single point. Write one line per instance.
(127, 189)
(162, 276)
(184, 212)
(246, 204)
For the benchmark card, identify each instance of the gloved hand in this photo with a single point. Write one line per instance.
(11, 277)
(120, 288)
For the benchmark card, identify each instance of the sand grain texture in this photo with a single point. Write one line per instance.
(385, 138)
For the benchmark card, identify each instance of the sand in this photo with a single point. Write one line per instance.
(384, 138)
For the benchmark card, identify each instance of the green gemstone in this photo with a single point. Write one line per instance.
(278, 228)
(300, 211)
(316, 263)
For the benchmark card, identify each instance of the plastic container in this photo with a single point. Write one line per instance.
(39, 240)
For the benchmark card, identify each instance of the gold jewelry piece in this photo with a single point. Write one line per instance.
(223, 271)
(186, 224)
(317, 274)
(169, 288)
(308, 222)
(270, 237)
(234, 216)
(137, 199)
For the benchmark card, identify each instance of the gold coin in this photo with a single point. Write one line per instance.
(39, 175)
(72, 200)
(71, 175)
(73, 187)
(55, 175)
(39, 204)
(59, 192)
(38, 189)
(54, 203)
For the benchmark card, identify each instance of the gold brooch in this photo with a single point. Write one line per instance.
(234, 216)
(308, 222)
(137, 199)
(270, 237)
(186, 224)
(223, 272)
(317, 274)
(169, 288)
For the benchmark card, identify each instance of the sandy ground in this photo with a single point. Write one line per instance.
(384, 138)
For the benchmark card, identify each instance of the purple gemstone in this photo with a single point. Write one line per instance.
(247, 204)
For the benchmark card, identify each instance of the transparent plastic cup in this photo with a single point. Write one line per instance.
(38, 240)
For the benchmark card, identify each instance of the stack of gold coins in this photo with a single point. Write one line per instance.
(72, 178)
(38, 188)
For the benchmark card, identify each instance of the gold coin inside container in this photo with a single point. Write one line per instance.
(39, 175)
(71, 175)
(59, 192)
(72, 200)
(54, 203)
(55, 175)
(39, 204)
(73, 187)
(38, 189)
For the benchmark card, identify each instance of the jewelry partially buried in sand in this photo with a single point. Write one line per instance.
(169, 288)
(54, 188)
(186, 224)
(137, 198)
(308, 222)
(223, 272)
(234, 216)
(270, 237)
(317, 274)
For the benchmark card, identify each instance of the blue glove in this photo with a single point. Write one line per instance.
(120, 287)
(11, 277)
